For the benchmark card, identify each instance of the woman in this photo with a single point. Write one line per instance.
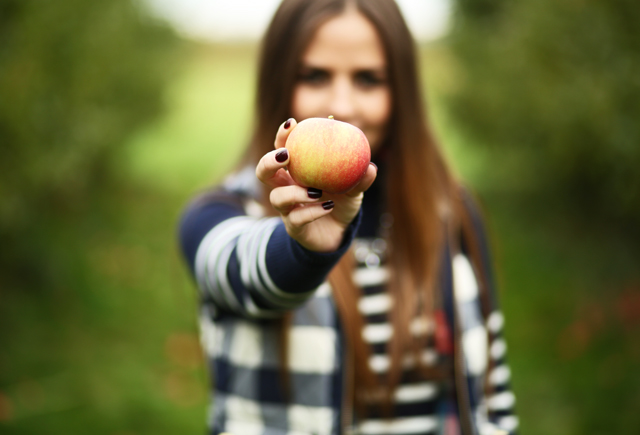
(370, 313)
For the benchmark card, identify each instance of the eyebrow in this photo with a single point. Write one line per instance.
(377, 70)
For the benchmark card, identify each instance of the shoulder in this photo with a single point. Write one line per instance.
(470, 216)
(470, 203)
(240, 191)
(236, 196)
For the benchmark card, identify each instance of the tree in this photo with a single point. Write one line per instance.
(554, 85)
(76, 79)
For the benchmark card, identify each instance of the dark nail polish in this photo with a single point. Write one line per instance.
(314, 193)
(282, 155)
(328, 205)
(287, 124)
(374, 165)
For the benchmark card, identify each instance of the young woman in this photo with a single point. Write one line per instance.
(371, 313)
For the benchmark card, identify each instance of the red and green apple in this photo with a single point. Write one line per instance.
(327, 154)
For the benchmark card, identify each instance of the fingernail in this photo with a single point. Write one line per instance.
(314, 193)
(374, 165)
(282, 155)
(288, 123)
(328, 205)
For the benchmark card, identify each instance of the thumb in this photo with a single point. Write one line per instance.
(366, 181)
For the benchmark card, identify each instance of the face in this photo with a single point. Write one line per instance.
(344, 74)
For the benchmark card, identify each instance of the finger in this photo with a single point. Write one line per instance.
(301, 216)
(283, 199)
(270, 168)
(283, 133)
(366, 181)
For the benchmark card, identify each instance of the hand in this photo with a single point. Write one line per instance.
(313, 218)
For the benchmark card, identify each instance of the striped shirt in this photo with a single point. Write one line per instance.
(415, 402)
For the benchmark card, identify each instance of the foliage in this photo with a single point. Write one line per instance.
(547, 95)
(552, 91)
(105, 340)
(76, 78)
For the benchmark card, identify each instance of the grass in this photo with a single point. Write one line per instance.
(207, 126)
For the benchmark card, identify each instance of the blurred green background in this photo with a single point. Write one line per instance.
(110, 122)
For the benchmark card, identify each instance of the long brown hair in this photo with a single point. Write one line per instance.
(422, 195)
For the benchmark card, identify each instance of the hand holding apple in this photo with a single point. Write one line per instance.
(314, 218)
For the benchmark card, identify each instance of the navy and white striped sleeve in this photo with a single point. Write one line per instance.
(250, 266)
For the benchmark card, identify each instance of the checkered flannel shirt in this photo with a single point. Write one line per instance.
(236, 257)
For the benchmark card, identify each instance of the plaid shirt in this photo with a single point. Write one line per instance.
(237, 257)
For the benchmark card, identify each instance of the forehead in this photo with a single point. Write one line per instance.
(349, 39)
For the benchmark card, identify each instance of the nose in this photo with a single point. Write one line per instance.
(342, 105)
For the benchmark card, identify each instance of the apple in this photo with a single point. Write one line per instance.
(327, 154)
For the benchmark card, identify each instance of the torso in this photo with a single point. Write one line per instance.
(417, 403)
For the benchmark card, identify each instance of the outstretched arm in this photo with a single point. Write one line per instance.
(262, 267)
(250, 266)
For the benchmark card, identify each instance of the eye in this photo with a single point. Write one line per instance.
(369, 79)
(313, 76)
